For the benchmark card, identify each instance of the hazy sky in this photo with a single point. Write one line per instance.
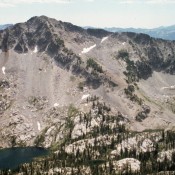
(98, 13)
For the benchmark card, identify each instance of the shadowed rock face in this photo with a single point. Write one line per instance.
(47, 60)
(141, 38)
(99, 33)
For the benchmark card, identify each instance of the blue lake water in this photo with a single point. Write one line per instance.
(11, 158)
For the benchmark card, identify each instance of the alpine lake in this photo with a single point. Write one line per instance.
(11, 158)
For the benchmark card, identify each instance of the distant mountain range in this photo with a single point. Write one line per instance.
(167, 33)
(2, 27)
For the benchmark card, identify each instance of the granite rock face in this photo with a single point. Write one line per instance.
(49, 65)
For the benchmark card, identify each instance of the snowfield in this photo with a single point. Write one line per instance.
(103, 39)
(3, 70)
(86, 50)
(39, 126)
(35, 50)
(85, 96)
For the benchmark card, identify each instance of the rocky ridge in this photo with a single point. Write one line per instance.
(53, 51)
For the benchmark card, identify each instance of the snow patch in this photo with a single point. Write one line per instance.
(39, 126)
(86, 50)
(103, 39)
(123, 43)
(3, 70)
(35, 50)
(169, 88)
(121, 122)
(85, 96)
(56, 105)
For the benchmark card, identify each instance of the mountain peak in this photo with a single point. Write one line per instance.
(40, 18)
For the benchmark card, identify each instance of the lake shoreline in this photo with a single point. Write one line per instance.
(12, 158)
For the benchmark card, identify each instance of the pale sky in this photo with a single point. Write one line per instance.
(97, 13)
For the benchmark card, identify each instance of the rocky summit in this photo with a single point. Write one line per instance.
(102, 102)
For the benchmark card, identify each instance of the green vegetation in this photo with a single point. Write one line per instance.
(131, 69)
(5, 102)
(71, 114)
(131, 72)
(129, 91)
(4, 85)
(134, 70)
(170, 104)
(72, 78)
(81, 85)
(91, 63)
(95, 156)
(72, 111)
(143, 69)
(123, 53)
(58, 40)
(37, 102)
(40, 138)
(102, 163)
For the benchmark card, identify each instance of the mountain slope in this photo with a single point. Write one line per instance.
(48, 65)
(102, 102)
